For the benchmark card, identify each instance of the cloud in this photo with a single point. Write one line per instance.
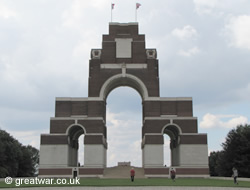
(6, 12)
(207, 6)
(220, 8)
(31, 137)
(238, 30)
(82, 12)
(73, 16)
(189, 52)
(217, 121)
(186, 32)
(124, 139)
(112, 119)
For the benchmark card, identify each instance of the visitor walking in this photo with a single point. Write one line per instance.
(235, 175)
(132, 174)
(173, 174)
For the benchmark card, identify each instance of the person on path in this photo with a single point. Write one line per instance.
(172, 174)
(132, 174)
(235, 175)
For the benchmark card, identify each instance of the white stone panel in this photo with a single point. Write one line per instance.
(54, 156)
(123, 47)
(193, 155)
(94, 156)
(153, 155)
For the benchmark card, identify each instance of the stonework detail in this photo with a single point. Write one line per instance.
(151, 53)
(123, 60)
(96, 53)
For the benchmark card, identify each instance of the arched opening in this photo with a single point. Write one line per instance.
(123, 80)
(81, 150)
(167, 151)
(75, 154)
(171, 145)
(123, 120)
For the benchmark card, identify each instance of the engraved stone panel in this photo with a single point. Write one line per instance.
(123, 47)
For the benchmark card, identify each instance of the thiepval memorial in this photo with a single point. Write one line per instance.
(123, 60)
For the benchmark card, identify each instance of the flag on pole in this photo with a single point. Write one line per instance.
(112, 7)
(138, 5)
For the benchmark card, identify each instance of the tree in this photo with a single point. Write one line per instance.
(28, 161)
(16, 160)
(213, 163)
(235, 153)
(10, 152)
(237, 150)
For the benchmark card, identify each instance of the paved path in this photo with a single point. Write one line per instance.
(129, 188)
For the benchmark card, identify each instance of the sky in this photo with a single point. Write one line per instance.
(203, 47)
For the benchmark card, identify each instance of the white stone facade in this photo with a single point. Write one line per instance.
(54, 156)
(95, 156)
(153, 156)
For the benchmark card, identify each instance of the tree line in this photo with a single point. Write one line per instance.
(235, 153)
(17, 160)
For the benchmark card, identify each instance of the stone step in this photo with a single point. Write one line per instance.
(123, 172)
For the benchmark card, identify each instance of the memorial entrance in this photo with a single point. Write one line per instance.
(123, 61)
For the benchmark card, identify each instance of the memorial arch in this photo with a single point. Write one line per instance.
(123, 60)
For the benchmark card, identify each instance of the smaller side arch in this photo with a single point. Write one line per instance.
(171, 124)
(174, 132)
(75, 130)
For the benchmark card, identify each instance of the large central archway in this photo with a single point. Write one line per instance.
(124, 123)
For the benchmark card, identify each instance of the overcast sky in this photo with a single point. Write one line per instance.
(203, 47)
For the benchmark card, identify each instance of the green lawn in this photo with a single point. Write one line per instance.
(148, 182)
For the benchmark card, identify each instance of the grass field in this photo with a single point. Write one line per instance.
(146, 182)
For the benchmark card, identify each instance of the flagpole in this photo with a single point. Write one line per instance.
(111, 12)
(112, 7)
(135, 14)
(137, 5)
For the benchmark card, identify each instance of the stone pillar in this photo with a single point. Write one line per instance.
(193, 150)
(152, 150)
(95, 149)
(54, 151)
(175, 156)
(193, 155)
(73, 153)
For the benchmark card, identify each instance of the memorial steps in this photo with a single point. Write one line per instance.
(123, 172)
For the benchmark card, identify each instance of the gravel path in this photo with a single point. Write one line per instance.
(129, 188)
